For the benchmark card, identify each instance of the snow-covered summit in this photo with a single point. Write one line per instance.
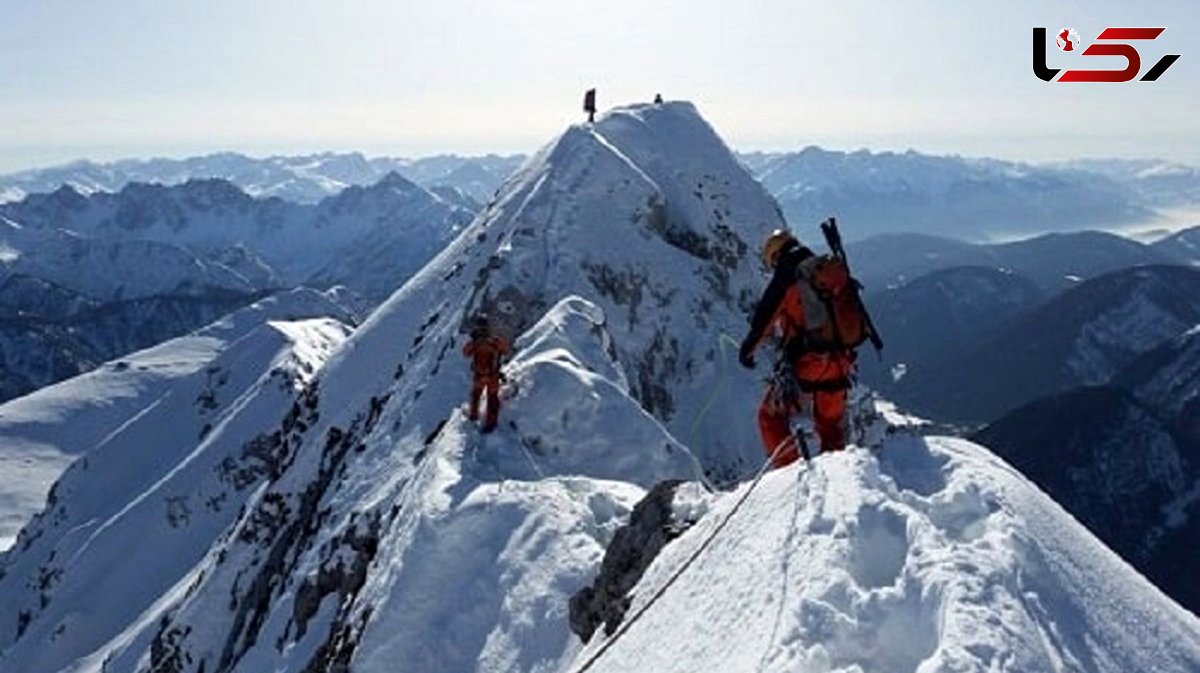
(648, 214)
(376, 529)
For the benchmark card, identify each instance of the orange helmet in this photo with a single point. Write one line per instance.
(777, 242)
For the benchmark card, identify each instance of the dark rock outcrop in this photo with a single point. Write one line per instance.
(652, 525)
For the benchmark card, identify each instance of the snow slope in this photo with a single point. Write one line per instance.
(658, 176)
(41, 433)
(187, 459)
(1122, 465)
(378, 531)
(933, 555)
(189, 483)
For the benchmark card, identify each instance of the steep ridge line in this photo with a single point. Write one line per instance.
(661, 591)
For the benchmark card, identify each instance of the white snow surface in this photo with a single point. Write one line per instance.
(375, 530)
(126, 524)
(933, 555)
(43, 432)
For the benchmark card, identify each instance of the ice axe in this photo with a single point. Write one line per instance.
(833, 238)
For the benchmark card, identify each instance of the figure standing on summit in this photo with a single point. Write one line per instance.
(589, 105)
(486, 353)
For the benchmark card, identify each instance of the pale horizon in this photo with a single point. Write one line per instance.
(149, 79)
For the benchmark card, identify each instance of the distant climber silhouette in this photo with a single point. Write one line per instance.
(589, 105)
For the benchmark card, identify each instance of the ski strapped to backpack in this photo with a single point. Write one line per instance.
(836, 319)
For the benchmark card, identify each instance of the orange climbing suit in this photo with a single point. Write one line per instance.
(824, 376)
(485, 354)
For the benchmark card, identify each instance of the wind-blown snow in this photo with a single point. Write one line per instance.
(931, 556)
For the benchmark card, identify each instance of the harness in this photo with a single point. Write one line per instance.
(786, 387)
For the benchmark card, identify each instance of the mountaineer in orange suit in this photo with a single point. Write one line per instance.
(809, 366)
(486, 351)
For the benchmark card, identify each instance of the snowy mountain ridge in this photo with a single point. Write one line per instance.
(42, 433)
(302, 179)
(255, 243)
(84, 279)
(377, 529)
(932, 555)
(970, 199)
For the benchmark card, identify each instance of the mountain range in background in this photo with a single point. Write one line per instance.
(87, 278)
(873, 192)
(100, 259)
(1162, 183)
(330, 508)
(1090, 391)
(208, 233)
(302, 179)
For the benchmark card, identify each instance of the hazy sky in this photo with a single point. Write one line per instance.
(87, 78)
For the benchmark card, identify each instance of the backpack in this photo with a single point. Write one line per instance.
(833, 318)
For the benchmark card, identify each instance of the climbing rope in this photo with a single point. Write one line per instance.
(624, 627)
(722, 338)
(541, 475)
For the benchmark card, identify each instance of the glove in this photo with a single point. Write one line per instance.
(746, 355)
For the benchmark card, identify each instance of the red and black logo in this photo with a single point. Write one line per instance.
(1111, 42)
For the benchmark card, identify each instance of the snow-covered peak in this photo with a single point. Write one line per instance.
(375, 526)
(370, 238)
(648, 215)
(113, 269)
(381, 440)
(301, 178)
(933, 555)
